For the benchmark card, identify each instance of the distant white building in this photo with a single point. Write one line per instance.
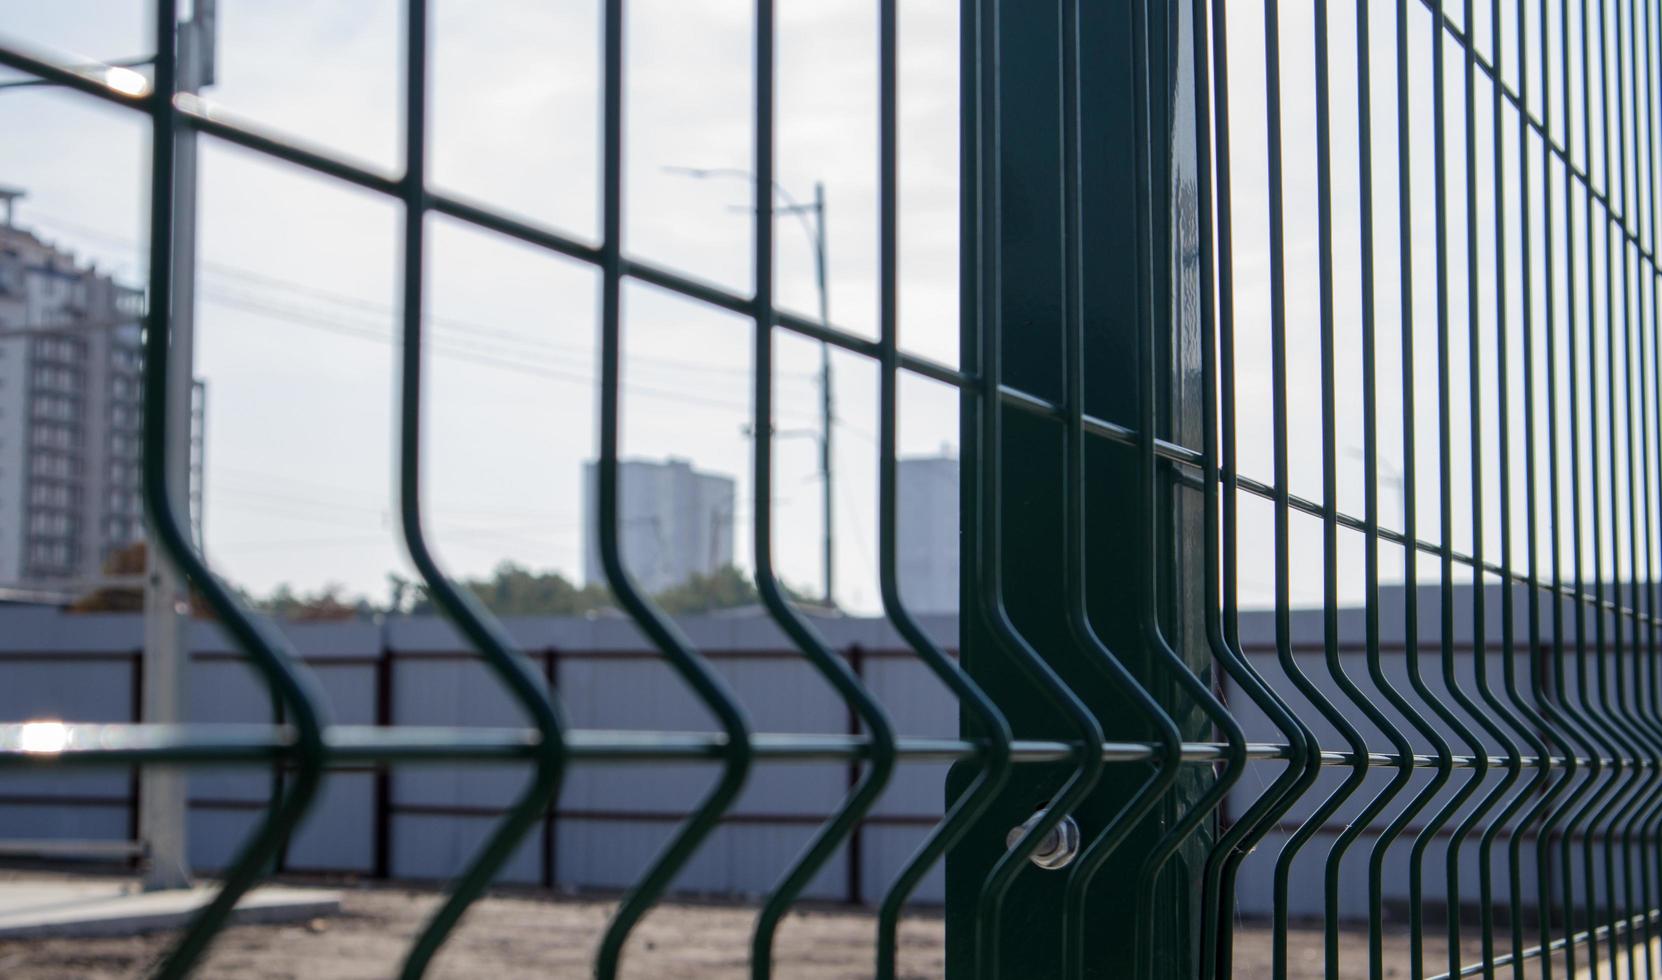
(71, 367)
(675, 522)
(927, 539)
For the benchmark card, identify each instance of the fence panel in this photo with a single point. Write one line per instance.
(1210, 252)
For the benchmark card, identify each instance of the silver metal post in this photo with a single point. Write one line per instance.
(163, 803)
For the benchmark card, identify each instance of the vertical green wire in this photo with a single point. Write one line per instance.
(1215, 907)
(1650, 395)
(983, 423)
(1608, 731)
(1278, 396)
(1645, 803)
(267, 649)
(1555, 703)
(1639, 497)
(1153, 313)
(1639, 831)
(512, 668)
(1622, 723)
(1586, 732)
(1410, 522)
(881, 755)
(1562, 730)
(1627, 693)
(707, 685)
(1591, 739)
(1168, 740)
(1283, 589)
(1445, 544)
(1507, 730)
(1603, 750)
(1223, 865)
(1641, 730)
(1318, 819)
(1535, 793)
(983, 791)
(1370, 480)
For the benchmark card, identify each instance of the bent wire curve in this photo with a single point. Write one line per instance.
(1148, 478)
(1167, 758)
(984, 418)
(881, 753)
(510, 665)
(1502, 717)
(1370, 409)
(704, 682)
(1611, 737)
(1548, 688)
(1537, 729)
(1283, 625)
(1645, 821)
(1445, 548)
(1411, 621)
(1230, 850)
(1640, 731)
(983, 790)
(267, 649)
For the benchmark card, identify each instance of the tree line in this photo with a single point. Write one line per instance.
(510, 590)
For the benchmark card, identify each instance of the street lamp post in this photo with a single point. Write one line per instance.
(816, 240)
(162, 805)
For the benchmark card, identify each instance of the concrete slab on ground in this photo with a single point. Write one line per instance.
(40, 908)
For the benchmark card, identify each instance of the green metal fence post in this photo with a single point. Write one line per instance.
(1028, 217)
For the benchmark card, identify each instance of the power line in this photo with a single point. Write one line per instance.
(459, 325)
(318, 512)
(390, 313)
(450, 348)
(384, 511)
(334, 491)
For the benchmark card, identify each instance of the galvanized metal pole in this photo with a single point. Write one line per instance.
(163, 792)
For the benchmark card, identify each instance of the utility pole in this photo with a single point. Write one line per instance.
(825, 413)
(816, 240)
(163, 804)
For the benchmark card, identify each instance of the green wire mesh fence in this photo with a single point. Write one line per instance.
(1105, 687)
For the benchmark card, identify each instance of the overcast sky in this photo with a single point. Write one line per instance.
(299, 273)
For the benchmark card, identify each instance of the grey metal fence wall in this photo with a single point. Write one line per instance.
(421, 824)
(424, 823)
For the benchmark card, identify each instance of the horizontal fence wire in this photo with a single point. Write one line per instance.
(1553, 780)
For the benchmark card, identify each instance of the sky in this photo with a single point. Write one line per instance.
(300, 274)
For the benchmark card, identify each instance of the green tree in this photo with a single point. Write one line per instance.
(724, 588)
(329, 604)
(512, 590)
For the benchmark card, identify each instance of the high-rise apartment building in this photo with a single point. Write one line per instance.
(675, 522)
(71, 365)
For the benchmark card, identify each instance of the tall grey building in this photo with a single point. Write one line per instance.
(926, 540)
(675, 522)
(71, 366)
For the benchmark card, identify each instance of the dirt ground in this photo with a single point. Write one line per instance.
(505, 936)
(520, 934)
